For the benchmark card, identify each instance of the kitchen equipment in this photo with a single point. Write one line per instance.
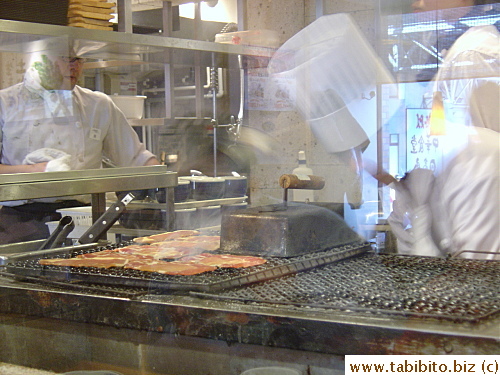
(59, 235)
(286, 229)
(209, 216)
(182, 192)
(293, 181)
(206, 188)
(26, 265)
(302, 170)
(410, 287)
(235, 186)
(186, 218)
(106, 220)
(143, 218)
(283, 230)
(234, 206)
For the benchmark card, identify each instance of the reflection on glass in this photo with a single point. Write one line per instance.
(447, 95)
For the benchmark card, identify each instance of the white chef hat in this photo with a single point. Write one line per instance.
(332, 65)
(42, 54)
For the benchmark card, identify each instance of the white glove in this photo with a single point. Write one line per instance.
(56, 160)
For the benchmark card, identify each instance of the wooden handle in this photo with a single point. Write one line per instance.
(293, 181)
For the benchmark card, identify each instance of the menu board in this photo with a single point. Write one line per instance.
(423, 150)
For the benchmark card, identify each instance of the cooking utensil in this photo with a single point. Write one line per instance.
(59, 235)
(235, 186)
(29, 266)
(285, 230)
(293, 181)
(206, 188)
(106, 220)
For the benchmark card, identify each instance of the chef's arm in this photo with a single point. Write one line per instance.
(379, 174)
(152, 161)
(22, 168)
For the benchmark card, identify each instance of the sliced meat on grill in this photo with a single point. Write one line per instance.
(224, 260)
(163, 250)
(203, 243)
(209, 243)
(96, 254)
(166, 236)
(173, 252)
(200, 238)
(172, 268)
(99, 262)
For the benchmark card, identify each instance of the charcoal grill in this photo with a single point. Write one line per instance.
(451, 289)
(221, 278)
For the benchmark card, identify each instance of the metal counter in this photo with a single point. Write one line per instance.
(90, 181)
(96, 182)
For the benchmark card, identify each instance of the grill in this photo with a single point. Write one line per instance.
(451, 289)
(209, 281)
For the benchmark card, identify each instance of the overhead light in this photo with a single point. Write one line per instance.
(212, 10)
(438, 119)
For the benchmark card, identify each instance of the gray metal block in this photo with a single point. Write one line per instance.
(283, 231)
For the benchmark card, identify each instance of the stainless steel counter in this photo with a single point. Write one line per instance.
(91, 181)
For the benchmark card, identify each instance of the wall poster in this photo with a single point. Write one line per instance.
(423, 150)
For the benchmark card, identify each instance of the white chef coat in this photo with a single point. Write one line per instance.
(81, 122)
(89, 127)
(411, 218)
(466, 207)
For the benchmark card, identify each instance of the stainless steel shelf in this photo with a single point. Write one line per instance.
(148, 122)
(25, 37)
(137, 205)
(210, 202)
(55, 184)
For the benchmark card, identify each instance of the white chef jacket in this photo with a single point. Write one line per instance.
(89, 127)
(466, 208)
(81, 122)
(466, 205)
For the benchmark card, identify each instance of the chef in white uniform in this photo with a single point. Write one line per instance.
(49, 123)
(467, 206)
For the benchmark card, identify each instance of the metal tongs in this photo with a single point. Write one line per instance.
(59, 235)
(106, 220)
(101, 225)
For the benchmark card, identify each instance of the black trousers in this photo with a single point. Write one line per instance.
(28, 222)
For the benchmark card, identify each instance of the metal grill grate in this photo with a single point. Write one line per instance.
(215, 280)
(456, 289)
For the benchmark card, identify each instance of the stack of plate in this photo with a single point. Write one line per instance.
(91, 14)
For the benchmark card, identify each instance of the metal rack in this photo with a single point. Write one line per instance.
(110, 48)
(96, 182)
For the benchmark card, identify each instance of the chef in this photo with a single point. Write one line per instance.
(457, 212)
(49, 123)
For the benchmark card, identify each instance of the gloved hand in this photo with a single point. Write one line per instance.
(56, 160)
